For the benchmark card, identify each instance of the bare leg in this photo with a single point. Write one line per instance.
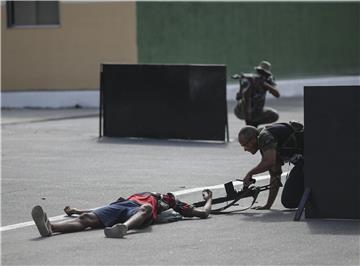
(119, 230)
(140, 217)
(80, 223)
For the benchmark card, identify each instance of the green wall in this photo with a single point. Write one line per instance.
(299, 38)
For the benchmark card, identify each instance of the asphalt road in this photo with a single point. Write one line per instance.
(54, 158)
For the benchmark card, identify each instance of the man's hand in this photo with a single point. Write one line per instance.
(248, 180)
(272, 90)
(207, 194)
(205, 211)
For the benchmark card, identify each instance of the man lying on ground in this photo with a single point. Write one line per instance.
(138, 210)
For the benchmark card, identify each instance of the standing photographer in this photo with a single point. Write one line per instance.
(251, 96)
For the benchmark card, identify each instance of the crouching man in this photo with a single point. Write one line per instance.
(278, 143)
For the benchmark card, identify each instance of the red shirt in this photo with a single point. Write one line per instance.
(148, 198)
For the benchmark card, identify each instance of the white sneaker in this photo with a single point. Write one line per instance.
(116, 231)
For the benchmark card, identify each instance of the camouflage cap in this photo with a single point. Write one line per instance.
(264, 66)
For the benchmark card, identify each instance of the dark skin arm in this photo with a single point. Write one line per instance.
(268, 161)
(272, 90)
(247, 105)
(274, 189)
(204, 211)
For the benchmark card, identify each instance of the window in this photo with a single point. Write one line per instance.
(32, 13)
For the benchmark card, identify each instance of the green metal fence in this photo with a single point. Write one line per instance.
(299, 38)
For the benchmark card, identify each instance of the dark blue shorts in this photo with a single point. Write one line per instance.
(116, 212)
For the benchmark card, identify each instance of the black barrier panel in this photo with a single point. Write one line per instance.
(332, 151)
(164, 101)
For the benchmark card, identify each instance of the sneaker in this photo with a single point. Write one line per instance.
(41, 221)
(116, 231)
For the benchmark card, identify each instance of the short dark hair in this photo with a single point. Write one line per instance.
(248, 132)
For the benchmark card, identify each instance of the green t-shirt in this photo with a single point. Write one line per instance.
(266, 140)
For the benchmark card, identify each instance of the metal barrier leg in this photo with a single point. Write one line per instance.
(302, 204)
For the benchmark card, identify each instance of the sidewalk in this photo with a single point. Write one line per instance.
(90, 98)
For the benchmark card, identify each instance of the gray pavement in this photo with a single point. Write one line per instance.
(54, 158)
(12, 116)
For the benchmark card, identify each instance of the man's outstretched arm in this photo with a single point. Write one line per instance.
(268, 160)
(204, 211)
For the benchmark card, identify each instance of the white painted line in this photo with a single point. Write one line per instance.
(20, 225)
(236, 183)
(176, 193)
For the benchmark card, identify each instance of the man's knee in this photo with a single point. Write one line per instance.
(238, 111)
(89, 220)
(275, 117)
(146, 210)
(271, 116)
(294, 188)
(290, 202)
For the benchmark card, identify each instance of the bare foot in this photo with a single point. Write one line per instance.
(70, 211)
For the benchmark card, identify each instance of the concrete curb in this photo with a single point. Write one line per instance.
(90, 98)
